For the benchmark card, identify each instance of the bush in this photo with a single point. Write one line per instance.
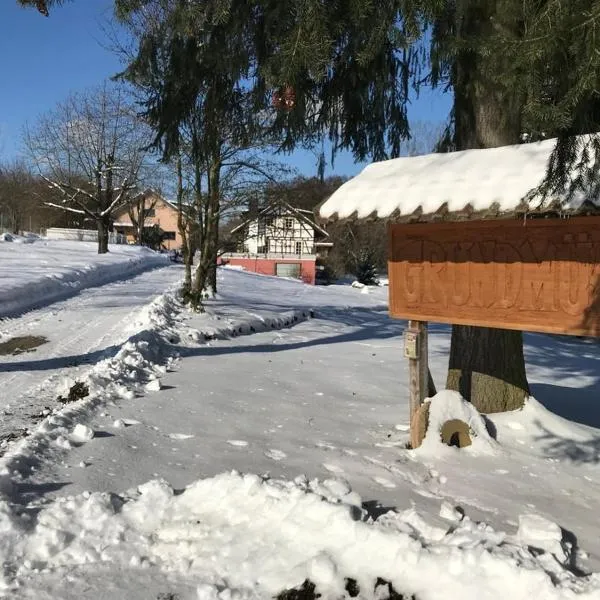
(365, 269)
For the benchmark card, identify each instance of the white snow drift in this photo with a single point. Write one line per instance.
(52, 270)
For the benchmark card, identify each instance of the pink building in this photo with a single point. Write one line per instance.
(157, 211)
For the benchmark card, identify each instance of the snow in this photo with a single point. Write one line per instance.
(541, 533)
(480, 178)
(238, 452)
(82, 433)
(51, 270)
(256, 536)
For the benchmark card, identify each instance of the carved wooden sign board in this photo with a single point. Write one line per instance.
(536, 275)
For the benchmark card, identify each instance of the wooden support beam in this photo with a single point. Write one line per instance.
(421, 383)
(418, 368)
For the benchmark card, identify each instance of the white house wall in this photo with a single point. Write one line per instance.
(252, 240)
(281, 239)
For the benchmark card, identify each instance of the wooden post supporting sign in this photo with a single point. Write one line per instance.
(421, 384)
(415, 349)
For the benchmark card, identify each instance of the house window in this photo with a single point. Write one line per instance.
(298, 247)
(289, 223)
(269, 221)
(168, 235)
(150, 212)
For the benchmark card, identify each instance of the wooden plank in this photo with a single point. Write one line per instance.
(536, 275)
(418, 368)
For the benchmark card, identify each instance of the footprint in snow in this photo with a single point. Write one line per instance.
(386, 483)
(237, 443)
(274, 454)
(333, 468)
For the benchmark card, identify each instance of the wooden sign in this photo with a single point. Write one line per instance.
(535, 275)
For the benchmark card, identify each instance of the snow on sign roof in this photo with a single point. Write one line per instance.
(498, 178)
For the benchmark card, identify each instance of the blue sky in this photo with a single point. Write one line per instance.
(44, 59)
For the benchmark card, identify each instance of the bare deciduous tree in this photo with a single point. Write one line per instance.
(90, 149)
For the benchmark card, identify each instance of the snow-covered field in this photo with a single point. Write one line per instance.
(240, 452)
(36, 271)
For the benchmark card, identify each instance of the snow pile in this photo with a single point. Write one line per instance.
(447, 405)
(477, 177)
(53, 270)
(536, 419)
(145, 356)
(82, 433)
(535, 530)
(253, 537)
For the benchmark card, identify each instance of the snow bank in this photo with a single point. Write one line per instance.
(253, 537)
(536, 419)
(445, 406)
(47, 271)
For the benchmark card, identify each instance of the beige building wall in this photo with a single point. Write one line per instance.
(165, 216)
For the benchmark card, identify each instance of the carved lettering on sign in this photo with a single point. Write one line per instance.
(541, 275)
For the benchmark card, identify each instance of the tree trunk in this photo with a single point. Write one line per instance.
(187, 265)
(203, 282)
(185, 226)
(487, 366)
(103, 224)
(212, 274)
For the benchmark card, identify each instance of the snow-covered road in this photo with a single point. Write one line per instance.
(80, 331)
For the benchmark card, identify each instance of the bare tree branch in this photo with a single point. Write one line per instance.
(77, 211)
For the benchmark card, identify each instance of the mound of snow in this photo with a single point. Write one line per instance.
(81, 434)
(535, 419)
(447, 405)
(534, 530)
(257, 537)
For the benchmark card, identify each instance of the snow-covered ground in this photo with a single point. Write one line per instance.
(237, 453)
(35, 272)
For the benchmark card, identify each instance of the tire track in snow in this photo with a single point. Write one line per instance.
(81, 331)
